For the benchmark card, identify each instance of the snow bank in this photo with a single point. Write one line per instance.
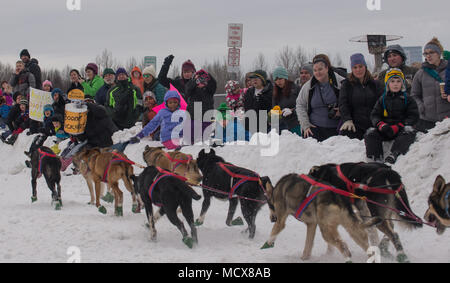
(36, 233)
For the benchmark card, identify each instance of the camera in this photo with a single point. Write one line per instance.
(332, 112)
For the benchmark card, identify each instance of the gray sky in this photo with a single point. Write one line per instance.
(197, 29)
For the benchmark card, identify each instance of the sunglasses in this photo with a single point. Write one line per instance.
(146, 76)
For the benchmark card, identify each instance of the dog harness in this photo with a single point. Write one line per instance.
(119, 158)
(43, 154)
(242, 178)
(351, 186)
(323, 187)
(178, 162)
(162, 174)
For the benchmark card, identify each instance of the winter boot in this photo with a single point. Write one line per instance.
(392, 158)
(12, 139)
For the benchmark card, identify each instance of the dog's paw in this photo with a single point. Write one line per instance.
(402, 258)
(188, 241)
(102, 209)
(33, 199)
(198, 223)
(237, 222)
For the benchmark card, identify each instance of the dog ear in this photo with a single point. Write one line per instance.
(439, 184)
(212, 152)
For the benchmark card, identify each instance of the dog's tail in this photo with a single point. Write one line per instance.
(402, 204)
(188, 191)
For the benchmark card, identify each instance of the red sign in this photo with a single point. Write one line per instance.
(234, 56)
(235, 35)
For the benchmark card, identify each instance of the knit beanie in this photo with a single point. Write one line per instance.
(259, 74)
(24, 52)
(48, 107)
(47, 82)
(108, 71)
(308, 68)
(56, 90)
(357, 59)
(231, 86)
(150, 70)
(188, 66)
(394, 49)
(149, 94)
(223, 115)
(434, 45)
(93, 67)
(24, 101)
(280, 73)
(121, 71)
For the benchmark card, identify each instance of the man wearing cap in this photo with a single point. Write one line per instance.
(122, 101)
(258, 98)
(395, 57)
(306, 73)
(32, 66)
(151, 83)
(109, 78)
(93, 83)
(187, 73)
(22, 79)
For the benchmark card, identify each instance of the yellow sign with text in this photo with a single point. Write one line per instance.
(38, 99)
(76, 94)
(75, 122)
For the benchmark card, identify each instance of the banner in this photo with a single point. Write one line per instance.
(38, 99)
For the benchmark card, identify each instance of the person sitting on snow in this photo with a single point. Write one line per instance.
(393, 116)
(168, 118)
(20, 123)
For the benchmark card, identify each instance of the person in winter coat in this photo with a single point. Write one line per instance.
(199, 91)
(32, 65)
(122, 101)
(258, 98)
(149, 104)
(235, 96)
(14, 111)
(306, 73)
(187, 72)
(93, 83)
(169, 119)
(395, 57)
(151, 83)
(109, 77)
(97, 133)
(317, 103)
(22, 79)
(227, 127)
(393, 117)
(285, 93)
(59, 103)
(75, 79)
(447, 82)
(137, 79)
(4, 111)
(7, 93)
(433, 105)
(357, 97)
(21, 123)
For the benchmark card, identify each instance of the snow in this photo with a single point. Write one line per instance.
(35, 232)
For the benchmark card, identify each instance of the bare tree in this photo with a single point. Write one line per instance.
(287, 59)
(260, 63)
(6, 71)
(105, 60)
(130, 64)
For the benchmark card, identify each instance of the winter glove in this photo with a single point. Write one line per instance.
(168, 60)
(409, 129)
(134, 140)
(385, 129)
(286, 112)
(397, 128)
(348, 126)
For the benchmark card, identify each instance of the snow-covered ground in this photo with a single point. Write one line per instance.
(37, 233)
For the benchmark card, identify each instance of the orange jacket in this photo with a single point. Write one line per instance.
(138, 82)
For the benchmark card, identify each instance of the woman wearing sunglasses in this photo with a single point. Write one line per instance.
(151, 83)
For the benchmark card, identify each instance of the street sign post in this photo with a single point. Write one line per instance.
(235, 35)
(150, 60)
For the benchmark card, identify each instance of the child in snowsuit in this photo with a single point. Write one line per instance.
(235, 97)
(4, 111)
(149, 114)
(393, 116)
(21, 123)
(227, 127)
(168, 118)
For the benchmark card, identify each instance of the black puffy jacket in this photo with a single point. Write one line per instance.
(400, 109)
(99, 127)
(356, 101)
(204, 95)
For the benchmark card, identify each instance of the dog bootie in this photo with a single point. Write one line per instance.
(102, 209)
(188, 241)
(33, 199)
(118, 211)
(28, 163)
(267, 246)
(108, 197)
(237, 222)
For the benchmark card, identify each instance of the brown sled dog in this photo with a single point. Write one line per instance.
(438, 205)
(328, 210)
(100, 165)
(175, 161)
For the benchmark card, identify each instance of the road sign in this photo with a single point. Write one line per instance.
(150, 60)
(234, 57)
(235, 35)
